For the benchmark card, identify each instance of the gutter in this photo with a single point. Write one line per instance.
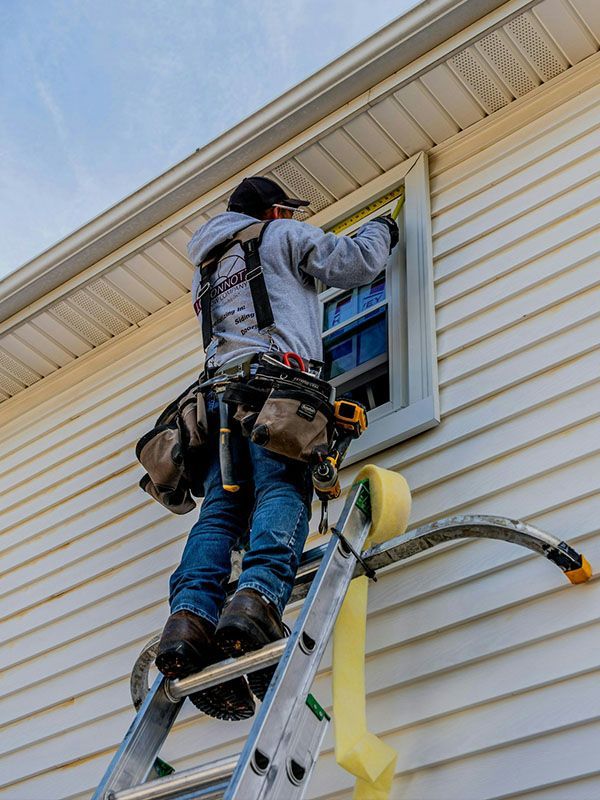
(401, 42)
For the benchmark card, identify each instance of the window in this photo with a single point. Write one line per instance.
(379, 339)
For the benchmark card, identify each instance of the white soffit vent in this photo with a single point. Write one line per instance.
(499, 52)
(116, 300)
(295, 179)
(481, 78)
(472, 69)
(536, 46)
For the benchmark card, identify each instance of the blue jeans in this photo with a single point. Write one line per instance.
(273, 502)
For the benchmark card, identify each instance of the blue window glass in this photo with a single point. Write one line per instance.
(353, 302)
(356, 344)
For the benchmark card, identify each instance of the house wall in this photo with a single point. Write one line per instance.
(481, 656)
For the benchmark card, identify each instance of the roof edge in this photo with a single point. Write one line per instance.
(368, 63)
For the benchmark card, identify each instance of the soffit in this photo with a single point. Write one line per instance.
(382, 131)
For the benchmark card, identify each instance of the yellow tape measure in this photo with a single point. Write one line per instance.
(374, 206)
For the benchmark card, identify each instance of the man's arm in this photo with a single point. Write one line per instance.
(340, 261)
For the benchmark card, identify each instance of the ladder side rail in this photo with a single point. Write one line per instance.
(264, 753)
(143, 741)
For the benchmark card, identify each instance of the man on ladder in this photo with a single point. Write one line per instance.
(269, 306)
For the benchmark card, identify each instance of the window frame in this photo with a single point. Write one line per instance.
(414, 393)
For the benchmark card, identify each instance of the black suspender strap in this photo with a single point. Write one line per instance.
(250, 239)
(205, 309)
(256, 281)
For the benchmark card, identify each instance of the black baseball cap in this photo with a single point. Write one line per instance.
(255, 195)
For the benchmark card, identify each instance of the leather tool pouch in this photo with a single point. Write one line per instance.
(292, 423)
(172, 453)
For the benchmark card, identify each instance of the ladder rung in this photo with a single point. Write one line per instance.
(214, 777)
(229, 669)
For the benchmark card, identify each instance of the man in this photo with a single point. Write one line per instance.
(274, 500)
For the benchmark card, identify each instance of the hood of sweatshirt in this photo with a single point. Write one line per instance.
(215, 231)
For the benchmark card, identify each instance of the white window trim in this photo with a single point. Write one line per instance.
(393, 422)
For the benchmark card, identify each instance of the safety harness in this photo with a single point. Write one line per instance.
(250, 239)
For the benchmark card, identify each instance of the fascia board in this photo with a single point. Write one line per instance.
(395, 46)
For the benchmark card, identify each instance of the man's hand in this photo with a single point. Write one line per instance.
(392, 227)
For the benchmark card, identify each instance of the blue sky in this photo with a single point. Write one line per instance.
(97, 97)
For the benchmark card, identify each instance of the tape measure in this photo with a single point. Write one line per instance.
(371, 208)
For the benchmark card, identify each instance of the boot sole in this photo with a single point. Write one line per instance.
(239, 636)
(228, 701)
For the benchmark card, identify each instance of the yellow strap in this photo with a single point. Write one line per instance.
(357, 750)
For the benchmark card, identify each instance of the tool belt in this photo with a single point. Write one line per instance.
(173, 452)
(283, 409)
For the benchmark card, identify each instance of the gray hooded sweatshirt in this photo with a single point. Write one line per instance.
(292, 254)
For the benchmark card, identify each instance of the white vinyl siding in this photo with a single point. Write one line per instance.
(483, 660)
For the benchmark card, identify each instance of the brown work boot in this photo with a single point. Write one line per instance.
(188, 645)
(249, 622)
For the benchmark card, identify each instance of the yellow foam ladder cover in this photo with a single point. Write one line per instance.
(371, 760)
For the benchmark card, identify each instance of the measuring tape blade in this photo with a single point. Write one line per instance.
(371, 208)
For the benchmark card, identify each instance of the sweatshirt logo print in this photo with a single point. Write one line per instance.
(231, 272)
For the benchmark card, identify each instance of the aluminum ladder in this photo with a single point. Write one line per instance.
(284, 741)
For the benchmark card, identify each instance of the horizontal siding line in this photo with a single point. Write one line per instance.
(430, 512)
(124, 423)
(119, 469)
(58, 528)
(394, 739)
(480, 416)
(578, 142)
(32, 601)
(550, 731)
(563, 143)
(505, 210)
(57, 483)
(546, 302)
(508, 450)
(492, 360)
(456, 404)
(49, 701)
(84, 419)
(160, 574)
(477, 174)
(566, 782)
(491, 245)
(105, 752)
(516, 256)
(148, 514)
(579, 453)
(512, 284)
(40, 678)
(85, 460)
